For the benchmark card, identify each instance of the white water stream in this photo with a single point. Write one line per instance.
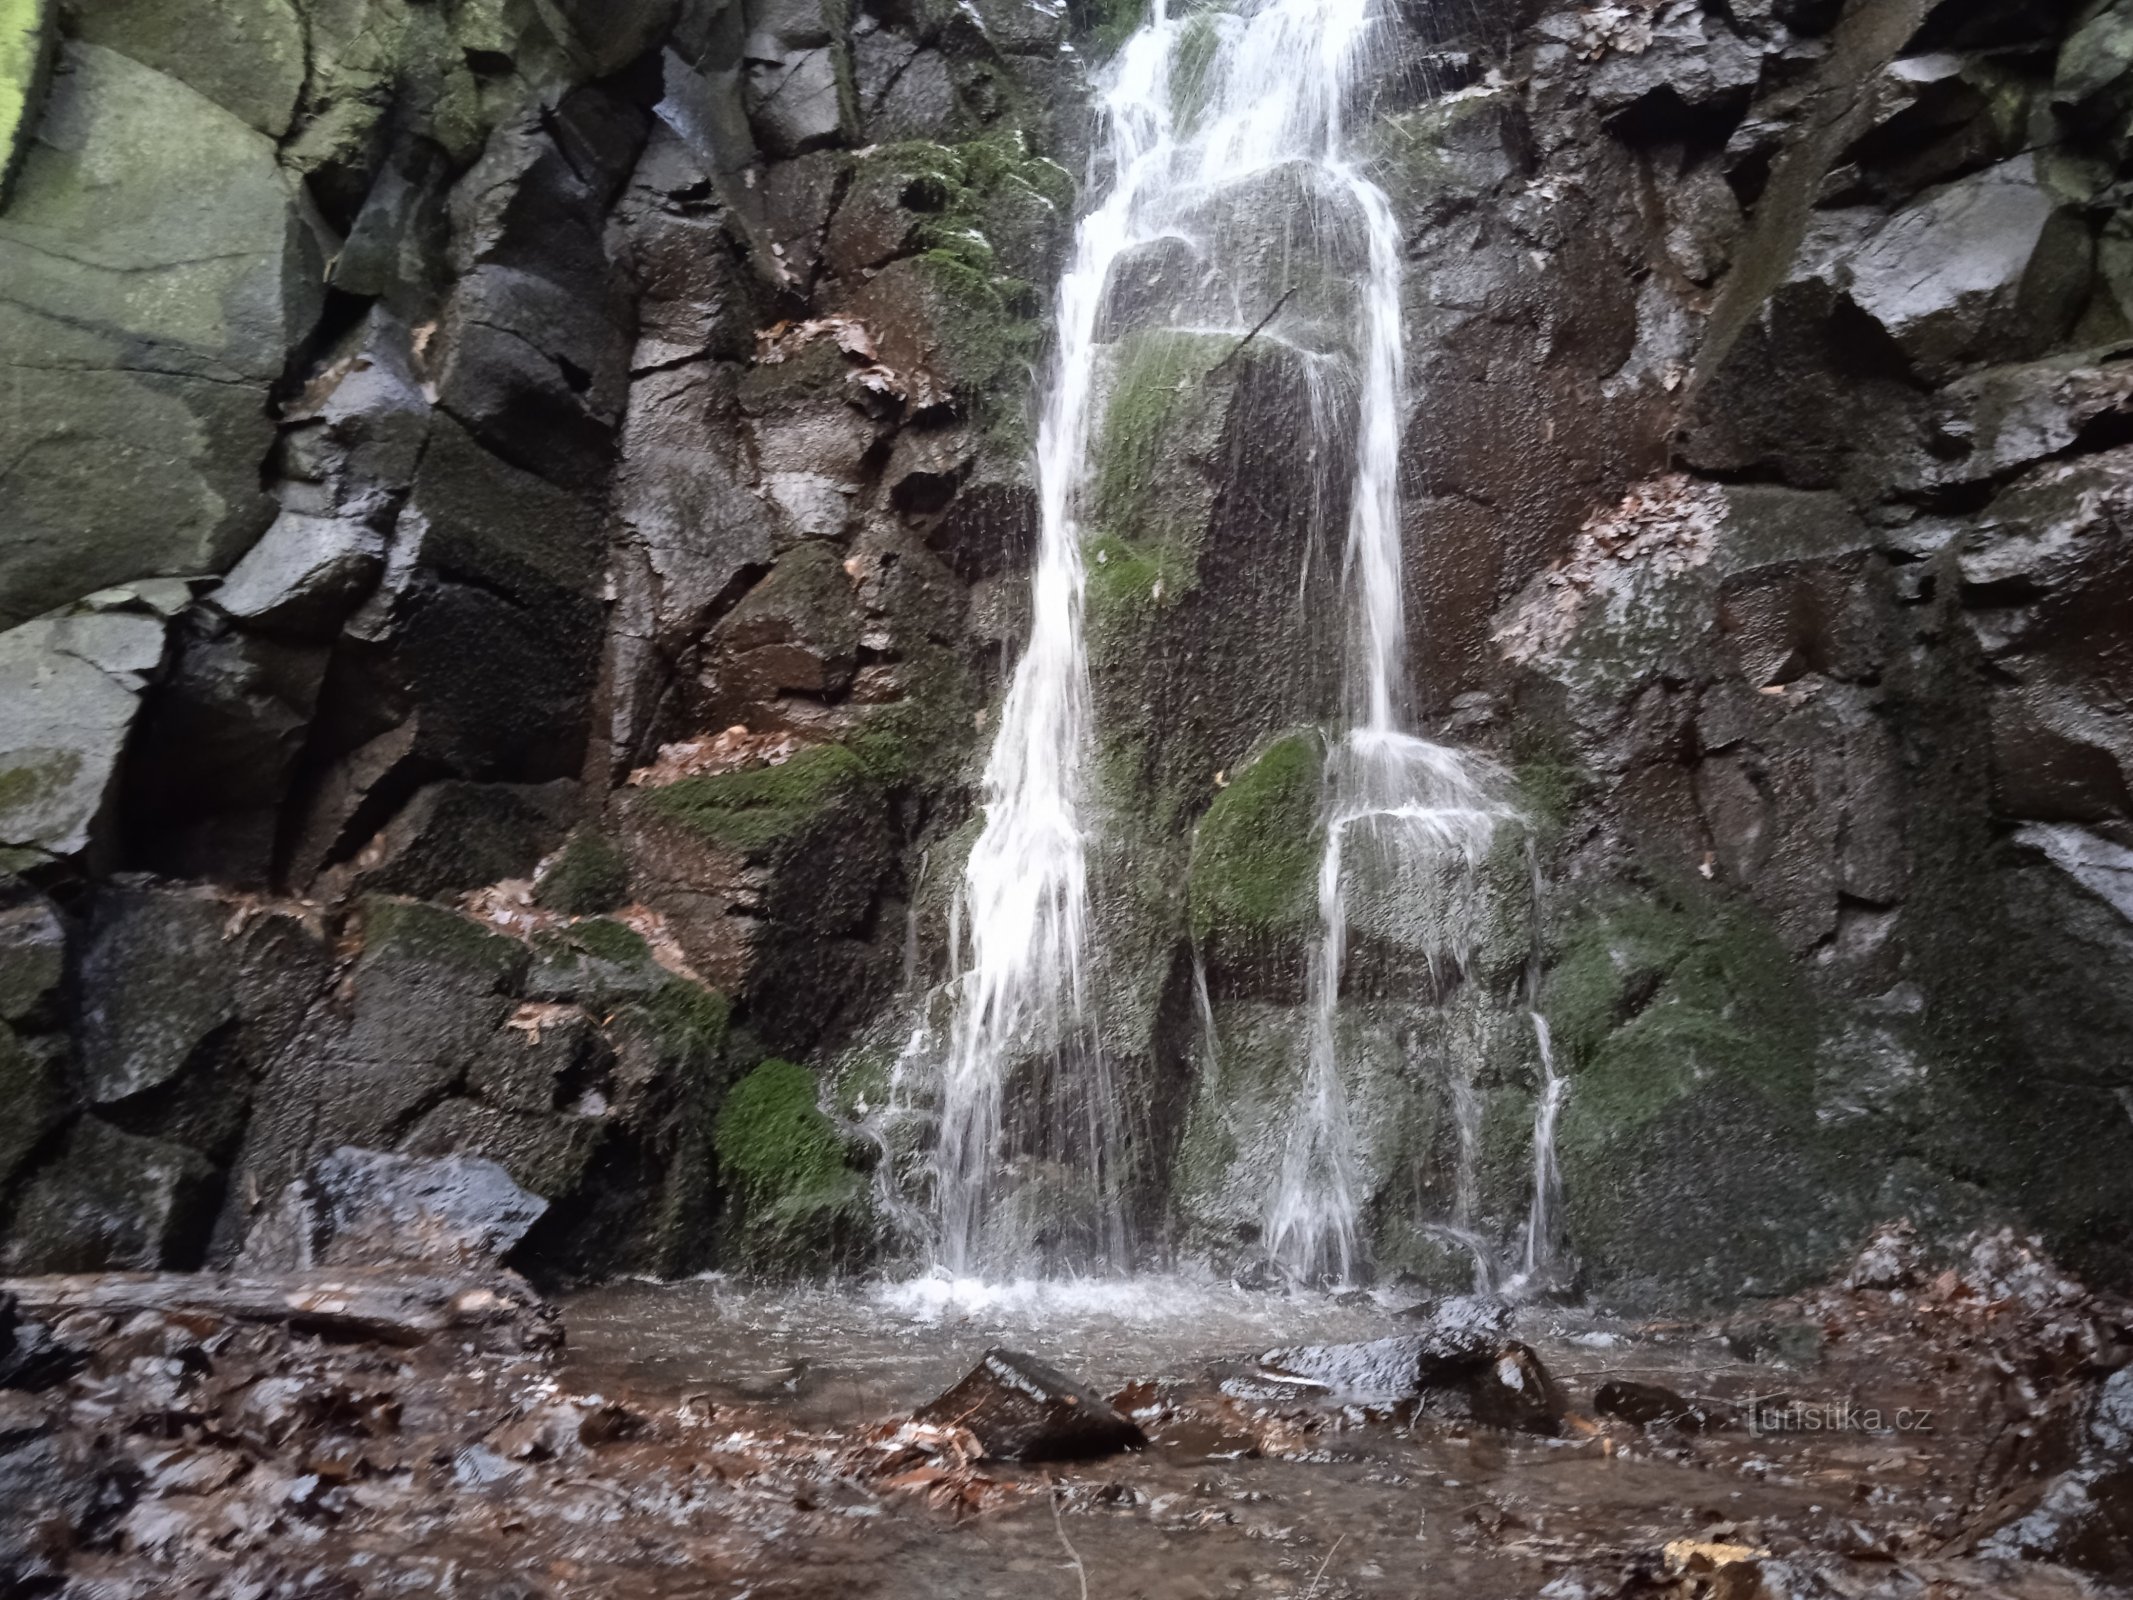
(1193, 109)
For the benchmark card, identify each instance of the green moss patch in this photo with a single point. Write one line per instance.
(1255, 854)
(782, 1162)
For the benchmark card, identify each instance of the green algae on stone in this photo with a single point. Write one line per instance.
(25, 55)
(1255, 854)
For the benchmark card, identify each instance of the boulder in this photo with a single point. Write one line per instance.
(456, 835)
(1992, 267)
(110, 1202)
(70, 689)
(245, 55)
(1459, 1370)
(304, 575)
(361, 1208)
(1022, 1410)
(793, 100)
(164, 971)
(33, 957)
(160, 266)
(25, 57)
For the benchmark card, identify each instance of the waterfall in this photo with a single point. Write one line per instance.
(1191, 108)
(1412, 808)
(1539, 1260)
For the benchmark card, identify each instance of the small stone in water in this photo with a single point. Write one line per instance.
(1022, 1410)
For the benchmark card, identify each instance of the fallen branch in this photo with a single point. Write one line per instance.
(1258, 328)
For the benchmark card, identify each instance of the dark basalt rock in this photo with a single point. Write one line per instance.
(1022, 1410)
(360, 1208)
(1459, 1372)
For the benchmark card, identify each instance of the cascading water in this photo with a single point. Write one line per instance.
(1192, 109)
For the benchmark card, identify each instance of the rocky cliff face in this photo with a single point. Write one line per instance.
(514, 512)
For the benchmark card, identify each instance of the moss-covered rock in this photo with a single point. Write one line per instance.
(110, 1202)
(1256, 852)
(1691, 1152)
(757, 810)
(410, 934)
(591, 875)
(781, 1160)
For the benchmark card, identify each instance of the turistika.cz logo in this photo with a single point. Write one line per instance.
(1781, 1414)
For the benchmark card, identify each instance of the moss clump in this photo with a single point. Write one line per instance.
(1156, 389)
(1255, 854)
(590, 876)
(781, 1160)
(765, 807)
(773, 1139)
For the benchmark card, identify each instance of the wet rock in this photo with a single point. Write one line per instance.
(34, 1088)
(1456, 1371)
(545, 1153)
(797, 632)
(362, 1208)
(1991, 267)
(917, 102)
(457, 835)
(1684, 61)
(699, 295)
(477, 659)
(33, 956)
(108, 1201)
(1022, 1410)
(70, 690)
(171, 976)
(304, 575)
(792, 100)
(423, 1001)
(2094, 85)
(206, 780)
